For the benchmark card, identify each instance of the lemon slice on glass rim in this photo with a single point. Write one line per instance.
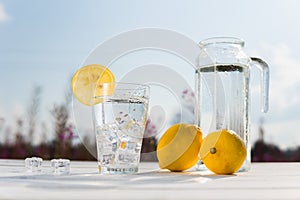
(92, 81)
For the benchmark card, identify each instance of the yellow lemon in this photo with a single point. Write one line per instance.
(223, 152)
(91, 81)
(178, 148)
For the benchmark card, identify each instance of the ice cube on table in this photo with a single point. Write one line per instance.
(60, 166)
(33, 164)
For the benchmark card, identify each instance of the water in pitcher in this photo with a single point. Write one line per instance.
(223, 100)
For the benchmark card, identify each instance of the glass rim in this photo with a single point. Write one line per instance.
(220, 40)
(124, 87)
(127, 83)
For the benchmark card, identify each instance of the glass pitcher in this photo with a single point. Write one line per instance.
(222, 88)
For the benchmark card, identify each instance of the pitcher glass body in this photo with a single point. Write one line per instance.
(223, 91)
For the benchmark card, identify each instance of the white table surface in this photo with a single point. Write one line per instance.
(264, 181)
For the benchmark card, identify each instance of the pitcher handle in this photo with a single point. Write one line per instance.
(264, 84)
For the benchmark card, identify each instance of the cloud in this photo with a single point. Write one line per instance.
(4, 17)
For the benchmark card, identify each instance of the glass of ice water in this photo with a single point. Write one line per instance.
(119, 124)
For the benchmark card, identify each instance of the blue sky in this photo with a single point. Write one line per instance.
(44, 42)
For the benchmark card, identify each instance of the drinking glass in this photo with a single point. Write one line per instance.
(119, 124)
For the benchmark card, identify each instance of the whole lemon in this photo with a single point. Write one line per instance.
(178, 148)
(223, 152)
